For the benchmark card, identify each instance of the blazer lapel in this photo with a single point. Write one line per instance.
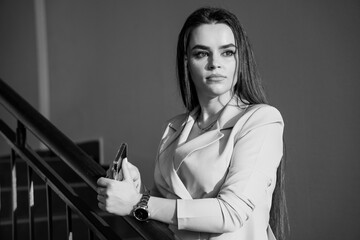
(233, 111)
(172, 132)
(195, 144)
(166, 156)
(177, 185)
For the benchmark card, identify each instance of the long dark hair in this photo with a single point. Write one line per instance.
(248, 88)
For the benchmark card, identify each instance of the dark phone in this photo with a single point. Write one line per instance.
(114, 170)
(121, 154)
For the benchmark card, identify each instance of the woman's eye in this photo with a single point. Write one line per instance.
(200, 54)
(228, 53)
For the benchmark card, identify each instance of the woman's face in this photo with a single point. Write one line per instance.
(211, 60)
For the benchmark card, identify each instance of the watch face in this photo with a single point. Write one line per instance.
(141, 214)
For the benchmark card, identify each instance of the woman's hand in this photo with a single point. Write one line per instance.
(134, 172)
(120, 197)
(135, 175)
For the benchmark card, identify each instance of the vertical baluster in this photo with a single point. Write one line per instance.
(31, 203)
(20, 135)
(49, 211)
(20, 141)
(69, 223)
(91, 234)
(13, 194)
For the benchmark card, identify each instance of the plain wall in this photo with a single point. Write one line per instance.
(18, 66)
(112, 76)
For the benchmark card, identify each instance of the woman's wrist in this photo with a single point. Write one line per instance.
(141, 211)
(133, 204)
(163, 210)
(144, 189)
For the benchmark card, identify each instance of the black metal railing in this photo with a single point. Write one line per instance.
(88, 170)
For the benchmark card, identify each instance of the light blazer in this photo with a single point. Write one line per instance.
(223, 180)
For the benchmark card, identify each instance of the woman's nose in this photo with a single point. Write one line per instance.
(214, 63)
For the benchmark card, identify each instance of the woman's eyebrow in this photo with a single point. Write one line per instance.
(198, 46)
(203, 47)
(228, 46)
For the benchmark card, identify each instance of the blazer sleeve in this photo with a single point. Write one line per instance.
(257, 152)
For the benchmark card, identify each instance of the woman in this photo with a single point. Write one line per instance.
(217, 164)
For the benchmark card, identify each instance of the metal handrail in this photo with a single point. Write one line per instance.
(71, 154)
(54, 139)
(60, 187)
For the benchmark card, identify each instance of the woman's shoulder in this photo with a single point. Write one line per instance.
(257, 115)
(264, 111)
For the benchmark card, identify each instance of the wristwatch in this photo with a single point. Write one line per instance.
(141, 211)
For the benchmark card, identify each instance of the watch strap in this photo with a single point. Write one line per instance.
(143, 200)
(141, 211)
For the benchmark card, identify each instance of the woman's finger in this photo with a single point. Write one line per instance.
(126, 171)
(101, 191)
(103, 182)
(102, 206)
(134, 171)
(101, 198)
(119, 176)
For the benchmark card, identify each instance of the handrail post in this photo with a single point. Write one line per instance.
(31, 202)
(21, 141)
(20, 134)
(90, 234)
(69, 223)
(49, 211)
(13, 194)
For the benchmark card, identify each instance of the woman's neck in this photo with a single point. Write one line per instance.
(211, 108)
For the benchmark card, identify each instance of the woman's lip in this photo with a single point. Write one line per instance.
(215, 77)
